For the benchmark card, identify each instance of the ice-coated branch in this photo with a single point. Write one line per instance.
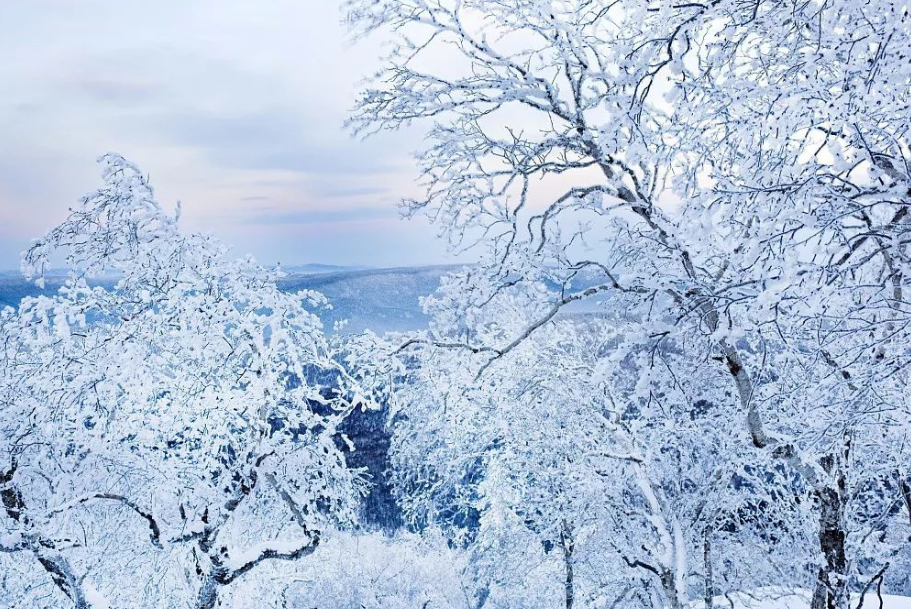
(154, 529)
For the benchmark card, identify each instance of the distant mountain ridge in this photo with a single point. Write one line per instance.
(316, 267)
(382, 300)
(378, 299)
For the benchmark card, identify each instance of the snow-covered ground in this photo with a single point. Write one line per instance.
(771, 598)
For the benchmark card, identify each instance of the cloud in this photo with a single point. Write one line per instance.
(334, 191)
(273, 139)
(295, 216)
(235, 108)
(118, 92)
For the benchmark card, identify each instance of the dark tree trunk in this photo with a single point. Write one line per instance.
(566, 541)
(709, 572)
(208, 593)
(905, 489)
(56, 566)
(831, 581)
(482, 597)
(669, 587)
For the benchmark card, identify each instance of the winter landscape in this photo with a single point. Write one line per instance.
(466, 304)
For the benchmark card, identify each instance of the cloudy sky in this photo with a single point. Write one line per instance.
(233, 107)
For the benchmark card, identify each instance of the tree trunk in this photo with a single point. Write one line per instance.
(482, 597)
(709, 572)
(61, 574)
(669, 586)
(56, 565)
(566, 541)
(831, 581)
(208, 593)
(905, 490)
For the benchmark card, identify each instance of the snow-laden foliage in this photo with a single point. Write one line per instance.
(679, 373)
(163, 438)
(370, 571)
(733, 177)
(558, 462)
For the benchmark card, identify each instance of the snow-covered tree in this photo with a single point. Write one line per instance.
(575, 453)
(170, 431)
(734, 174)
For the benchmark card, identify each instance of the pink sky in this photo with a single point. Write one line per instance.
(235, 111)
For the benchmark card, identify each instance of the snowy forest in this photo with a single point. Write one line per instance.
(674, 374)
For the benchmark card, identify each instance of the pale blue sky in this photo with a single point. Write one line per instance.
(233, 107)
